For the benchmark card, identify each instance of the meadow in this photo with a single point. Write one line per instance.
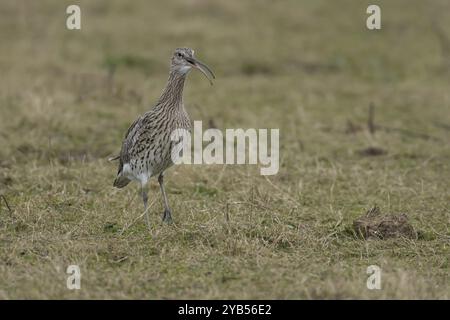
(310, 68)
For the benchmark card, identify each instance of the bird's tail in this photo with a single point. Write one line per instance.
(121, 181)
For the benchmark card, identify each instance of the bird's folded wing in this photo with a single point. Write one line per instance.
(129, 140)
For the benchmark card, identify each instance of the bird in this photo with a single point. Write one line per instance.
(147, 146)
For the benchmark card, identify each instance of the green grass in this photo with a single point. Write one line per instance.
(308, 68)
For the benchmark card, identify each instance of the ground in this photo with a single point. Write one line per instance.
(309, 68)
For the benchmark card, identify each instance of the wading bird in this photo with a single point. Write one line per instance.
(147, 146)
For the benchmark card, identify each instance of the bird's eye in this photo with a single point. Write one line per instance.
(179, 55)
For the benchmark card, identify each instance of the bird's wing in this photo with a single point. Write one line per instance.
(128, 142)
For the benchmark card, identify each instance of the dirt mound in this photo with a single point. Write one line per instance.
(374, 224)
(372, 152)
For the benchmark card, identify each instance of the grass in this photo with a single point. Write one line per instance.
(310, 68)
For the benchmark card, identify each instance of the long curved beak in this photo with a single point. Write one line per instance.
(203, 68)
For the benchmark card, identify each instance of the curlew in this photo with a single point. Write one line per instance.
(147, 146)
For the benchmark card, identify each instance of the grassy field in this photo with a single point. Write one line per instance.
(309, 68)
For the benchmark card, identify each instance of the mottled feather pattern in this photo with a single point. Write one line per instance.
(147, 145)
(147, 148)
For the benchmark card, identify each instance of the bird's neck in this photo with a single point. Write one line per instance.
(172, 96)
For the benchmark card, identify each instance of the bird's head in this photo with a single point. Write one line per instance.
(183, 61)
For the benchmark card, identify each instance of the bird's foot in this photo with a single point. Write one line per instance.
(167, 216)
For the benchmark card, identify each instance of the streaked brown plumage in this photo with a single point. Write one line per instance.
(147, 146)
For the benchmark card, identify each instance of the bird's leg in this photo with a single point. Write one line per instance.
(144, 192)
(167, 217)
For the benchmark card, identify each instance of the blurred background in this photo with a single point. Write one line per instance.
(310, 68)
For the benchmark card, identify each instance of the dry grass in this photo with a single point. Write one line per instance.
(309, 68)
